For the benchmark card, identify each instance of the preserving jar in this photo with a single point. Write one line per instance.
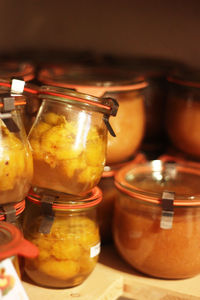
(12, 213)
(13, 244)
(183, 111)
(109, 192)
(65, 230)
(125, 87)
(16, 164)
(69, 138)
(156, 225)
(30, 92)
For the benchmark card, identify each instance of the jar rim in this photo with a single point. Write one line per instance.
(125, 186)
(110, 171)
(104, 105)
(106, 78)
(18, 207)
(72, 203)
(13, 68)
(29, 88)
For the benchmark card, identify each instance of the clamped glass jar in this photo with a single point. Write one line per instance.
(16, 158)
(127, 88)
(66, 231)
(156, 225)
(12, 213)
(183, 111)
(69, 139)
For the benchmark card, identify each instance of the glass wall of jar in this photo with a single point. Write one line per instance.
(125, 87)
(16, 164)
(12, 246)
(183, 111)
(13, 213)
(157, 218)
(66, 231)
(30, 92)
(106, 207)
(69, 138)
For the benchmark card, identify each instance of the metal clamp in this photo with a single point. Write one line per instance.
(47, 213)
(166, 221)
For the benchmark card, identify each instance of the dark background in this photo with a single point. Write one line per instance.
(166, 29)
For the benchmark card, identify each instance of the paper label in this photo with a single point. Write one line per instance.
(95, 250)
(11, 287)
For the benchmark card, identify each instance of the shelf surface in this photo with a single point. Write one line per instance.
(113, 278)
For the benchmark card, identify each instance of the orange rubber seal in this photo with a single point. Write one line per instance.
(94, 199)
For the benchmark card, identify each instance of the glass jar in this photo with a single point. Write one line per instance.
(156, 225)
(66, 231)
(109, 192)
(183, 111)
(125, 87)
(13, 245)
(12, 213)
(15, 154)
(69, 138)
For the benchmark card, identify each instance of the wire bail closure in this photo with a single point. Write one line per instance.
(47, 213)
(10, 213)
(166, 221)
(114, 105)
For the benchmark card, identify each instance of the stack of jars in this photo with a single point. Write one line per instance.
(15, 174)
(129, 125)
(16, 157)
(68, 140)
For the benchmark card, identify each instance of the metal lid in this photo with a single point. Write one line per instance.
(148, 181)
(64, 202)
(12, 242)
(92, 80)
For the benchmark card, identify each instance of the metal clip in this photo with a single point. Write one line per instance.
(113, 104)
(17, 86)
(47, 214)
(166, 221)
(6, 116)
(109, 127)
(10, 213)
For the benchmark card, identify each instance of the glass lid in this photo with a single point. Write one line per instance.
(185, 77)
(149, 180)
(88, 75)
(12, 242)
(22, 70)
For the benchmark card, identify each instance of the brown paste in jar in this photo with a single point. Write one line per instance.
(128, 125)
(183, 125)
(165, 253)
